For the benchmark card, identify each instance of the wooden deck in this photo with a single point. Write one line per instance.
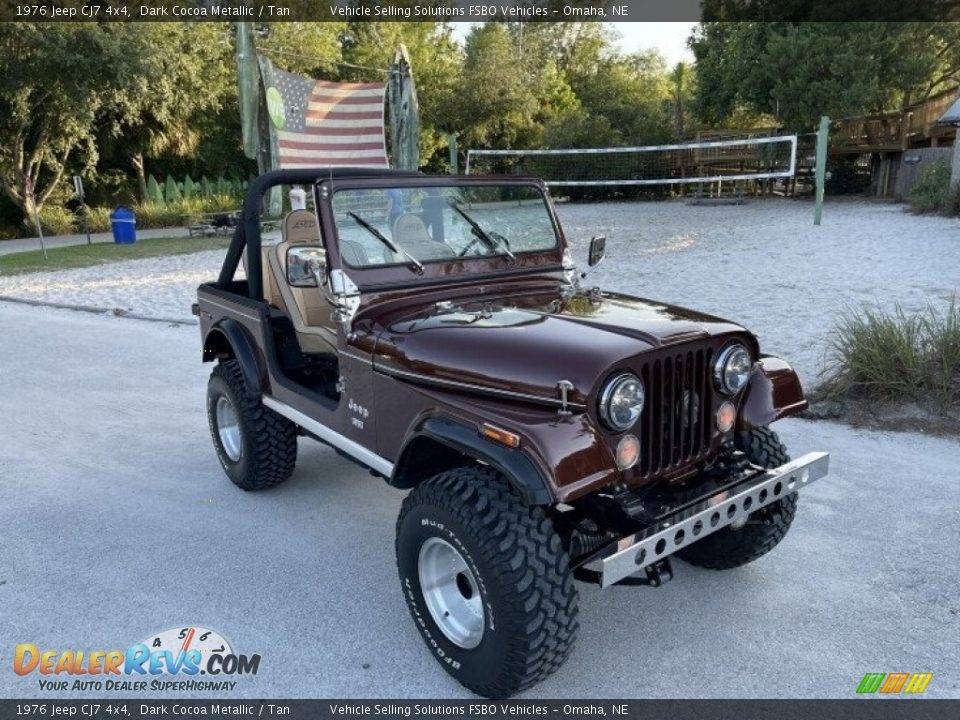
(915, 126)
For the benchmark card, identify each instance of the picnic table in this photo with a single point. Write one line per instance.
(205, 224)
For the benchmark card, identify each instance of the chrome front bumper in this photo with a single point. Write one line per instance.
(730, 507)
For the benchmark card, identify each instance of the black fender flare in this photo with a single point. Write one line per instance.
(462, 438)
(773, 391)
(228, 338)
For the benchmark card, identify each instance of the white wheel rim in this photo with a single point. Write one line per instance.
(228, 428)
(451, 593)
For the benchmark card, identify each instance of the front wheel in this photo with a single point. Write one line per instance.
(486, 580)
(764, 529)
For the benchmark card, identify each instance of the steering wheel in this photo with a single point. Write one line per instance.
(467, 249)
(501, 238)
(476, 239)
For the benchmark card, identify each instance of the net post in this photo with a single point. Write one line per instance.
(822, 137)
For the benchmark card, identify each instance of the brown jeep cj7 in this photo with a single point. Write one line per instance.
(435, 331)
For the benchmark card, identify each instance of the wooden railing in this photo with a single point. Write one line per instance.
(897, 130)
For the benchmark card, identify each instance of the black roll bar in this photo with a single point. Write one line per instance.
(247, 234)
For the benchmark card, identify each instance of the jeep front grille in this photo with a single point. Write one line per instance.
(675, 425)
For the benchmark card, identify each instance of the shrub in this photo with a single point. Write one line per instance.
(99, 219)
(154, 215)
(932, 193)
(896, 356)
(55, 220)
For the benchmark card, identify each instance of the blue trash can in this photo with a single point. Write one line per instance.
(124, 225)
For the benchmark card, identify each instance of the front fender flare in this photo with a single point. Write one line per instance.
(462, 438)
(773, 391)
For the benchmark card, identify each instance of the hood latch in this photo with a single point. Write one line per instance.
(564, 386)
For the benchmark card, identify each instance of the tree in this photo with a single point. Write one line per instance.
(631, 91)
(306, 48)
(181, 71)
(682, 91)
(798, 71)
(499, 97)
(54, 80)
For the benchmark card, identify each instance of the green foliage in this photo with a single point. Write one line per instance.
(498, 96)
(55, 80)
(171, 190)
(154, 191)
(174, 214)
(798, 71)
(896, 356)
(312, 48)
(932, 192)
(54, 220)
(183, 72)
(99, 219)
(563, 85)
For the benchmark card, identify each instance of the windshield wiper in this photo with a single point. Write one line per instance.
(491, 240)
(391, 245)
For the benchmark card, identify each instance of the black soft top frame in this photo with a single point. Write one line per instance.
(247, 234)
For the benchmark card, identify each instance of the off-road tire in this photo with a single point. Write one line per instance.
(522, 570)
(268, 441)
(732, 548)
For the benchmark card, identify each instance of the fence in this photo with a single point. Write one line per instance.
(912, 163)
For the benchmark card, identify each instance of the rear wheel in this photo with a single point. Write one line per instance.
(256, 447)
(764, 529)
(486, 580)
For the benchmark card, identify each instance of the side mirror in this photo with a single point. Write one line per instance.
(598, 250)
(306, 266)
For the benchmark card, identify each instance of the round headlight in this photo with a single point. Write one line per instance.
(732, 368)
(621, 401)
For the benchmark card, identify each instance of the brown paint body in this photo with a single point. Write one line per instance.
(482, 340)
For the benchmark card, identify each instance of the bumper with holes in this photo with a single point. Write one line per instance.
(633, 553)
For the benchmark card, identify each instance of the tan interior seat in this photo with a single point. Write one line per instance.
(308, 310)
(410, 233)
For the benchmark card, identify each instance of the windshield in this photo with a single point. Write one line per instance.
(418, 225)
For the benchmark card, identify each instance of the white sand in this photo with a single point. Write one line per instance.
(763, 264)
(156, 287)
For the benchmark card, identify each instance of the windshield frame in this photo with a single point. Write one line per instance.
(437, 270)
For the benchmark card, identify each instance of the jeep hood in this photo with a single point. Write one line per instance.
(526, 347)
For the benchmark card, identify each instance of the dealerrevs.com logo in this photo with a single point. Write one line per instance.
(172, 660)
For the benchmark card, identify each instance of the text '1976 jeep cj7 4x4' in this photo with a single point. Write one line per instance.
(435, 331)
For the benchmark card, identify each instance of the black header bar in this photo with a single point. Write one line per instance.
(854, 709)
(478, 10)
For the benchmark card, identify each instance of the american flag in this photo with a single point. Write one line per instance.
(330, 124)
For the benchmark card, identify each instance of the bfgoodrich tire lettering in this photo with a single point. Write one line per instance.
(268, 441)
(521, 569)
(732, 548)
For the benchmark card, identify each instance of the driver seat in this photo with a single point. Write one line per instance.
(410, 233)
(308, 310)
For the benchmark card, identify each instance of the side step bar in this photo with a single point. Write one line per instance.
(635, 552)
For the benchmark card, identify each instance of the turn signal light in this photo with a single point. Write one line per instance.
(726, 416)
(504, 437)
(628, 452)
